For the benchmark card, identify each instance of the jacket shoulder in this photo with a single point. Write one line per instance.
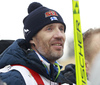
(12, 77)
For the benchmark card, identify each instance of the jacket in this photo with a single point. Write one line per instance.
(17, 54)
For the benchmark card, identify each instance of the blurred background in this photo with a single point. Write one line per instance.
(12, 13)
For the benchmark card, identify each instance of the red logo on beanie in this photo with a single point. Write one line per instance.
(51, 13)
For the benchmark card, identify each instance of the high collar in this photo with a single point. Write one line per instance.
(46, 62)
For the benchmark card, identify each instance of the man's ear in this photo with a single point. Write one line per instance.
(32, 42)
(87, 66)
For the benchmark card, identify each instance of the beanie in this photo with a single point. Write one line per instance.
(38, 17)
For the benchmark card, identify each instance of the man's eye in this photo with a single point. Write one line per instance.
(49, 29)
(61, 29)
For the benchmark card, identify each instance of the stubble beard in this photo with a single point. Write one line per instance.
(50, 55)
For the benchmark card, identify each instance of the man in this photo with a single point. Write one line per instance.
(91, 39)
(32, 61)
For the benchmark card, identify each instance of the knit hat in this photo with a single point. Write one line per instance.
(38, 17)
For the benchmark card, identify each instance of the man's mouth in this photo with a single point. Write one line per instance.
(57, 44)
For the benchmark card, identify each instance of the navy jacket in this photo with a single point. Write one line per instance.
(17, 54)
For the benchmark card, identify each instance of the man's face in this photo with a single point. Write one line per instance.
(49, 41)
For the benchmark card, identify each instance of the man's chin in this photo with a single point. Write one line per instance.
(58, 54)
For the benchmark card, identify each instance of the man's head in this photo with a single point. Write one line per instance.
(91, 41)
(38, 17)
(44, 29)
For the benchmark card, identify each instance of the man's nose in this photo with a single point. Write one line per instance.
(59, 34)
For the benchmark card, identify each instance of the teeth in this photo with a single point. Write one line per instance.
(57, 44)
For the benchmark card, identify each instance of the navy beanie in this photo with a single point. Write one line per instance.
(38, 17)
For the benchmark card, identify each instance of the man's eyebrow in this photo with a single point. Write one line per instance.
(49, 25)
(62, 25)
